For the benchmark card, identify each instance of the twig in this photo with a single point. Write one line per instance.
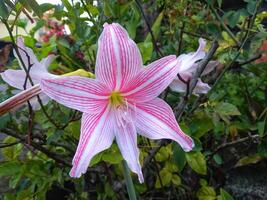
(230, 33)
(149, 29)
(9, 144)
(58, 158)
(228, 144)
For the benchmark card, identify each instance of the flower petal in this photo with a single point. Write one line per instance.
(201, 88)
(45, 62)
(152, 80)
(35, 103)
(177, 85)
(188, 60)
(210, 67)
(155, 120)
(26, 54)
(16, 78)
(118, 57)
(126, 139)
(97, 134)
(80, 93)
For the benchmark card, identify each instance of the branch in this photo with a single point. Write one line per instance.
(149, 29)
(57, 157)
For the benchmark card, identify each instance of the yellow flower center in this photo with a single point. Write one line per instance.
(116, 99)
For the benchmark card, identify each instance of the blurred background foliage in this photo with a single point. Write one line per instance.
(228, 124)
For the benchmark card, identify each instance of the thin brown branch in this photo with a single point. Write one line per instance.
(158, 51)
(57, 157)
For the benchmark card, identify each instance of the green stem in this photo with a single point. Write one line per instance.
(128, 181)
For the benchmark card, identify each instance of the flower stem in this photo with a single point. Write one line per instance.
(129, 181)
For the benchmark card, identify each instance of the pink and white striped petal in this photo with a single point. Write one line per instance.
(152, 80)
(188, 60)
(80, 93)
(126, 139)
(97, 134)
(118, 57)
(155, 120)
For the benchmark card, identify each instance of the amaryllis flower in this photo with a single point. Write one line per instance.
(120, 102)
(188, 65)
(38, 70)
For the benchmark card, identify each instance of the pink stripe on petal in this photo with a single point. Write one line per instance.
(118, 57)
(152, 80)
(97, 134)
(80, 93)
(156, 120)
(126, 139)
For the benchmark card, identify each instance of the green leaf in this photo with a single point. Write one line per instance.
(179, 156)
(155, 28)
(9, 168)
(224, 195)
(33, 5)
(166, 177)
(227, 109)
(251, 6)
(206, 193)
(146, 49)
(3, 10)
(197, 162)
(233, 18)
(93, 10)
(11, 152)
(218, 159)
(176, 180)
(200, 124)
(252, 159)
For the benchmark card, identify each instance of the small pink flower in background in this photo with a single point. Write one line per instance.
(38, 70)
(188, 66)
(120, 102)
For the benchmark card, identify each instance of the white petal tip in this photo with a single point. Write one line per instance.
(105, 24)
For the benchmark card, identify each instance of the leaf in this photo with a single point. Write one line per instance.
(179, 156)
(233, 18)
(224, 195)
(251, 7)
(9, 168)
(33, 5)
(146, 49)
(218, 159)
(11, 152)
(93, 10)
(3, 10)
(166, 177)
(206, 193)
(197, 162)
(227, 109)
(176, 180)
(155, 28)
(252, 159)
(200, 124)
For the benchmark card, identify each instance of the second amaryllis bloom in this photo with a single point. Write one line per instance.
(120, 102)
(188, 66)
